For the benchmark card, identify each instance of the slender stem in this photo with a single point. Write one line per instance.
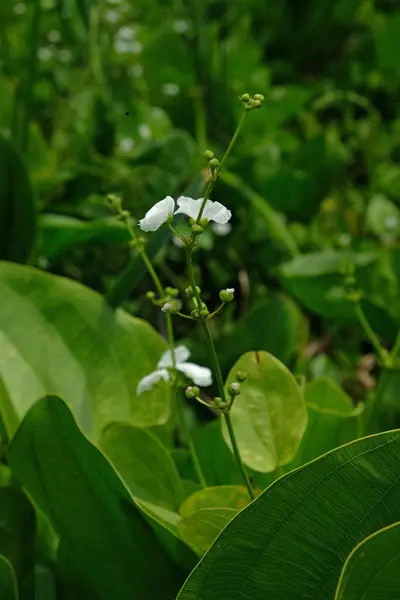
(396, 347)
(219, 169)
(191, 276)
(371, 334)
(237, 454)
(181, 412)
(220, 307)
(30, 75)
(188, 317)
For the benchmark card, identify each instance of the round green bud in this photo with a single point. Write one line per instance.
(204, 312)
(204, 222)
(234, 389)
(173, 292)
(209, 154)
(259, 97)
(245, 97)
(195, 313)
(192, 392)
(227, 295)
(190, 291)
(170, 307)
(214, 163)
(197, 229)
(150, 295)
(219, 403)
(257, 103)
(241, 376)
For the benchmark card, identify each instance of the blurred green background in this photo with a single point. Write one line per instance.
(313, 183)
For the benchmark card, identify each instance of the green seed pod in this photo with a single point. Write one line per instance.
(209, 154)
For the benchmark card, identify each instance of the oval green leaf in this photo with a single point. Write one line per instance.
(58, 336)
(200, 529)
(372, 570)
(291, 542)
(8, 581)
(222, 496)
(105, 539)
(269, 416)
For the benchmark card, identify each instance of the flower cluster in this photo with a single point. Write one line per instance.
(164, 210)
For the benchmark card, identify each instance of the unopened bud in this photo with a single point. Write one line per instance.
(257, 104)
(190, 291)
(234, 389)
(241, 376)
(203, 222)
(197, 229)
(209, 154)
(192, 392)
(214, 163)
(173, 292)
(150, 295)
(245, 97)
(195, 313)
(204, 312)
(227, 295)
(259, 97)
(170, 307)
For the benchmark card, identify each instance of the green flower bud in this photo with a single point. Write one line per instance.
(259, 97)
(219, 403)
(204, 312)
(245, 97)
(257, 103)
(150, 295)
(241, 376)
(203, 222)
(209, 154)
(190, 292)
(197, 229)
(192, 392)
(170, 307)
(234, 389)
(214, 163)
(227, 295)
(173, 292)
(195, 313)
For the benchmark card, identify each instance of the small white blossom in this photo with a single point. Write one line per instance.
(201, 376)
(157, 215)
(230, 290)
(213, 211)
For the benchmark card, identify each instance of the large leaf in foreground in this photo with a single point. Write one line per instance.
(269, 416)
(105, 539)
(8, 582)
(60, 337)
(291, 543)
(372, 570)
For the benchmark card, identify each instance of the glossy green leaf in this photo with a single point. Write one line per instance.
(291, 543)
(17, 537)
(372, 570)
(105, 538)
(222, 496)
(332, 421)
(269, 416)
(8, 581)
(200, 529)
(17, 209)
(144, 464)
(76, 347)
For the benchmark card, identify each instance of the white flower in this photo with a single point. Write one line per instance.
(157, 215)
(201, 376)
(213, 211)
(221, 228)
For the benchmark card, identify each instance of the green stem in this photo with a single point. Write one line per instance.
(396, 348)
(218, 376)
(371, 335)
(219, 169)
(237, 455)
(181, 412)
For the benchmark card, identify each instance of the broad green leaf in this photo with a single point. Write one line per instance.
(372, 569)
(105, 538)
(269, 416)
(8, 581)
(383, 217)
(17, 209)
(223, 496)
(144, 464)
(291, 542)
(59, 232)
(200, 529)
(332, 421)
(58, 336)
(17, 537)
(217, 461)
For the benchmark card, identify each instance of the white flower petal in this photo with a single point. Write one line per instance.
(157, 215)
(189, 206)
(181, 354)
(147, 382)
(221, 228)
(201, 376)
(215, 211)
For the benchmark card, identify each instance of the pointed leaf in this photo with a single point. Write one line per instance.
(105, 538)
